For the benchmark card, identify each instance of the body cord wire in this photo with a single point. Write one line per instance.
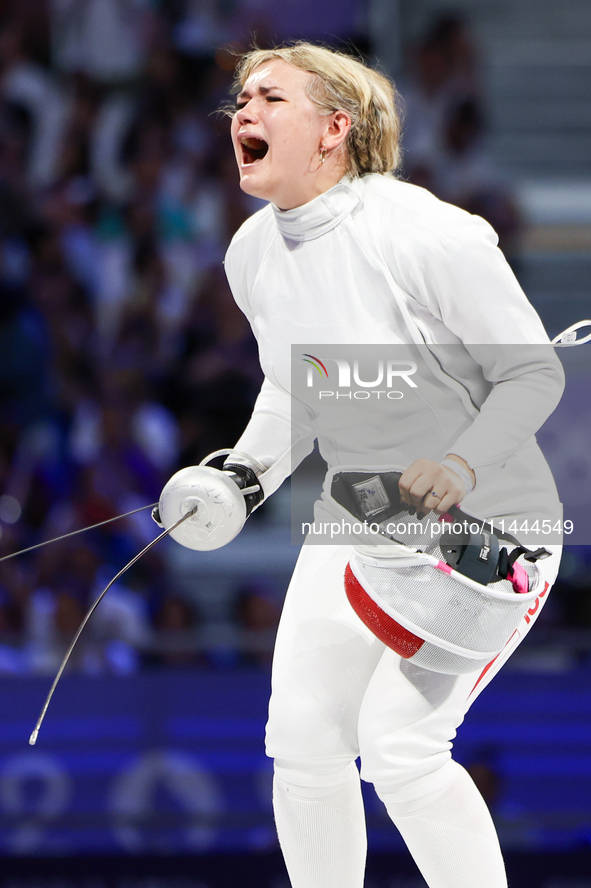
(74, 532)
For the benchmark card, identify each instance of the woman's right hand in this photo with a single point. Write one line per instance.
(428, 486)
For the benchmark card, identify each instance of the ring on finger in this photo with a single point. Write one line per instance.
(432, 493)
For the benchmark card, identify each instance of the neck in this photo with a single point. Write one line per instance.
(321, 180)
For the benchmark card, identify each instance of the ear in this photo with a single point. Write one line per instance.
(338, 125)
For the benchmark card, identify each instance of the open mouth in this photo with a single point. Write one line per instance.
(253, 149)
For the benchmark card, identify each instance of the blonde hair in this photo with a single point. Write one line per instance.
(341, 83)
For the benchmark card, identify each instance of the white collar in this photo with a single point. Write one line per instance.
(319, 215)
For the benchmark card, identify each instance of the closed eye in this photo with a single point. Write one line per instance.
(243, 104)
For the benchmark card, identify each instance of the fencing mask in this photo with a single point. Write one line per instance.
(449, 593)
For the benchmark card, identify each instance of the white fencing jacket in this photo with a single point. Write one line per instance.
(378, 261)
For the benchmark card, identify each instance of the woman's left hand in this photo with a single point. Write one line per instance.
(428, 486)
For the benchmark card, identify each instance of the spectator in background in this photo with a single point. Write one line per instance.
(258, 617)
(176, 639)
(463, 174)
(445, 147)
(35, 91)
(442, 73)
(63, 591)
(24, 345)
(13, 595)
(60, 589)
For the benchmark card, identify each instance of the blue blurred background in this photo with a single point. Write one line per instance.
(123, 358)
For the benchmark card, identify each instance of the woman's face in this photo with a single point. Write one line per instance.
(277, 135)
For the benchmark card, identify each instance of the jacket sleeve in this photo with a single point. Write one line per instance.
(459, 275)
(279, 434)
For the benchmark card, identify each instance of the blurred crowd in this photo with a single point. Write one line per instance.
(122, 354)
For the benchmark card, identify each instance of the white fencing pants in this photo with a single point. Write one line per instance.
(339, 693)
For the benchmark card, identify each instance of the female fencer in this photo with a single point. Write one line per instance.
(345, 253)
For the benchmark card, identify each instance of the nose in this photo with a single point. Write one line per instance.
(246, 114)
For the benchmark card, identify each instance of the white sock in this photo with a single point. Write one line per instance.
(321, 828)
(451, 835)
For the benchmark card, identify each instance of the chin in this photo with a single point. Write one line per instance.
(251, 188)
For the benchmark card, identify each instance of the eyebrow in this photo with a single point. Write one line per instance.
(263, 90)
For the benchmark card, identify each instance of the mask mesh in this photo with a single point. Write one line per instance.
(431, 601)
